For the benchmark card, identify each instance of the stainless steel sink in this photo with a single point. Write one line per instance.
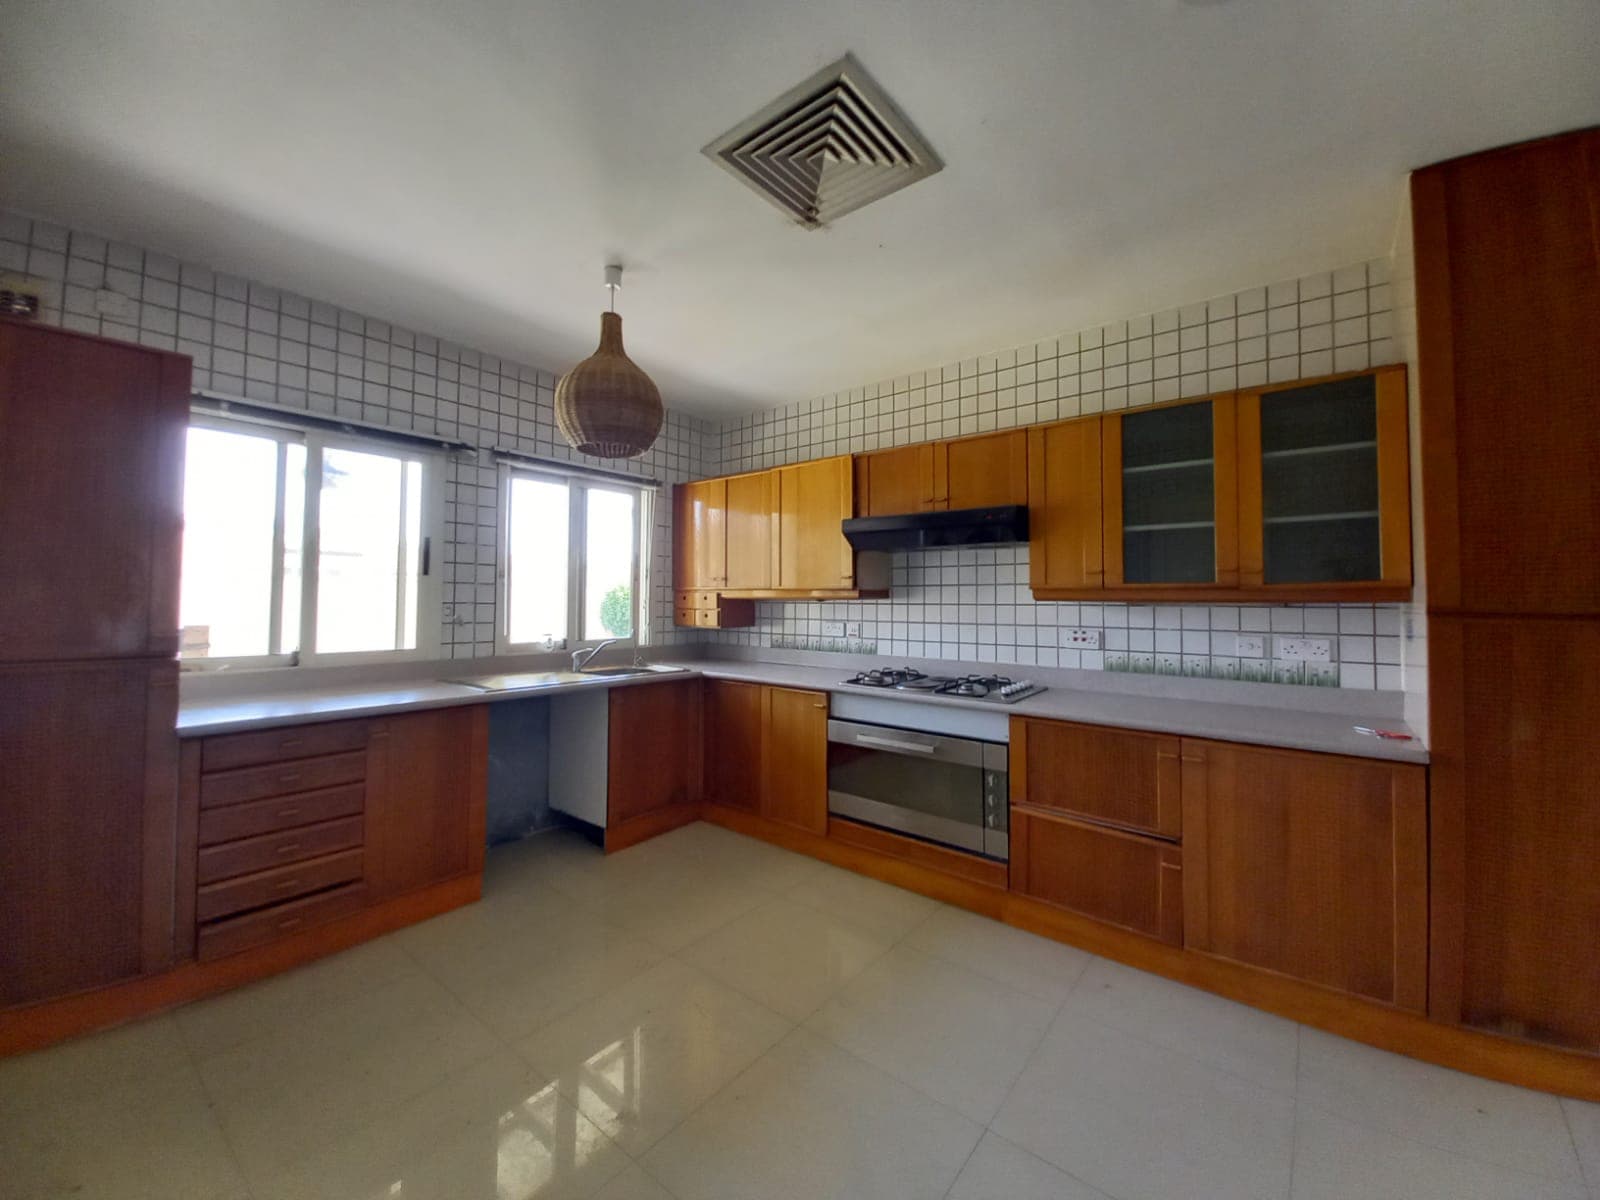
(530, 680)
(613, 672)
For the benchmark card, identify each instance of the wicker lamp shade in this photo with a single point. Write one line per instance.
(606, 406)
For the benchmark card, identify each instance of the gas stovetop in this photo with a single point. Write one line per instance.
(997, 688)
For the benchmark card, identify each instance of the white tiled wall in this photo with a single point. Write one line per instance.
(974, 604)
(255, 341)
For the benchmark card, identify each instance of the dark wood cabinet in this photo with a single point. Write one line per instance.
(653, 751)
(427, 788)
(1312, 865)
(734, 731)
(1111, 776)
(795, 759)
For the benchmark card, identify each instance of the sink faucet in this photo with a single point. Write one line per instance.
(582, 658)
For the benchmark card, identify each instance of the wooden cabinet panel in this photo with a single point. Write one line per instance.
(1123, 878)
(896, 481)
(276, 884)
(795, 759)
(282, 779)
(1508, 285)
(1114, 776)
(91, 495)
(268, 924)
(1064, 526)
(233, 821)
(1311, 865)
(814, 499)
(1515, 823)
(231, 750)
(654, 748)
(700, 534)
(427, 783)
(982, 472)
(734, 718)
(276, 849)
(752, 550)
(88, 806)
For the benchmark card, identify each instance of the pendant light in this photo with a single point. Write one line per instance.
(606, 406)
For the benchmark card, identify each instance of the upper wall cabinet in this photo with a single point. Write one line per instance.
(700, 556)
(814, 500)
(974, 472)
(751, 561)
(1064, 526)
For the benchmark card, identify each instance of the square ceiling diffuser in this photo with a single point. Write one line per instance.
(826, 147)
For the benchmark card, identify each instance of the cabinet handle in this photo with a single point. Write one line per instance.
(292, 811)
(288, 848)
(289, 777)
(285, 884)
(824, 704)
(291, 743)
(289, 923)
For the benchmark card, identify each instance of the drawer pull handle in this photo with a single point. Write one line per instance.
(289, 777)
(291, 743)
(292, 811)
(286, 884)
(289, 922)
(288, 848)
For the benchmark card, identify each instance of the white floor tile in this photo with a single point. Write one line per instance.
(1338, 1160)
(135, 1053)
(1232, 1037)
(787, 956)
(1462, 1114)
(673, 912)
(634, 1184)
(810, 1122)
(958, 1036)
(998, 1170)
(642, 1057)
(1584, 1121)
(1136, 1119)
(1027, 962)
(888, 911)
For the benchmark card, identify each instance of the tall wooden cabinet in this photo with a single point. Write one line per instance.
(1508, 288)
(91, 482)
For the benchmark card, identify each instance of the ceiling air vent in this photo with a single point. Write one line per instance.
(826, 147)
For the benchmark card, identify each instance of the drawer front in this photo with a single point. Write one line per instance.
(685, 616)
(279, 849)
(280, 813)
(1113, 776)
(282, 779)
(281, 920)
(280, 883)
(275, 745)
(1122, 878)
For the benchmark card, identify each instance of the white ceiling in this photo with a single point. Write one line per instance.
(467, 167)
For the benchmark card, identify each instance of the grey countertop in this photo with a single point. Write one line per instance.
(1328, 731)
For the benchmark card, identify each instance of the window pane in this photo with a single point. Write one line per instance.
(608, 555)
(294, 529)
(230, 491)
(537, 520)
(413, 536)
(362, 552)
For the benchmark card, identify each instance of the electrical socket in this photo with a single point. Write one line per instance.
(834, 629)
(1304, 649)
(852, 629)
(1082, 639)
(1250, 645)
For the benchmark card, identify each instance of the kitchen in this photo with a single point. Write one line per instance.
(1172, 715)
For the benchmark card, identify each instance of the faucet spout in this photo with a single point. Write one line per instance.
(582, 658)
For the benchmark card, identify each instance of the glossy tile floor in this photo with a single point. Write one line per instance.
(710, 1018)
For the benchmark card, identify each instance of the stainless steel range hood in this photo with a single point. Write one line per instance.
(956, 527)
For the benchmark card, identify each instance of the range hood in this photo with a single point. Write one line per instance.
(923, 530)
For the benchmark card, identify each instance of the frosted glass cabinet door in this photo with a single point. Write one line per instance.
(1170, 511)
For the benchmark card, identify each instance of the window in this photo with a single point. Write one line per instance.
(301, 547)
(570, 560)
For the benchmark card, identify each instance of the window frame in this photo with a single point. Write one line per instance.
(430, 585)
(578, 486)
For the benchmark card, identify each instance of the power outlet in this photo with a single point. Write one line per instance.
(833, 629)
(1250, 645)
(1081, 639)
(852, 629)
(1311, 650)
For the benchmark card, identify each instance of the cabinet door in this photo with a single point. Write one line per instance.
(1324, 485)
(88, 809)
(1064, 525)
(982, 472)
(1308, 864)
(91, 495)
(700, 543)
(427, 785)
(897, 481)
(752, 510)
(1123, 878)
(795, 759)
(814, 499)
(653, 749)
(1113, 776)
(1170, 484)
(1508, 285)
(734, 716)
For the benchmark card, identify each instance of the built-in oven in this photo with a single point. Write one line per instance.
(945, 789)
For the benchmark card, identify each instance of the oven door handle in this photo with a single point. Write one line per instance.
(866, 739)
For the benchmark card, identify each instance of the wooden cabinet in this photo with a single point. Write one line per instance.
(795, 759)
(974, 472)
(653, 750)
(814, 499)
(700, 535)
(890, 482)
(1324, 486)
(91, 495)
(1105, 873)
(1311, 865)
(735, 717)
(1111, 776)
(752, 554)
(88, 798)
(427, 791)
(1065, 538)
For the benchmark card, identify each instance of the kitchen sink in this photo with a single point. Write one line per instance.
(531, 680)
(614, 672)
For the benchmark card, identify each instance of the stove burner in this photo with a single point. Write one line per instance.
(974, 685)
(887, 677)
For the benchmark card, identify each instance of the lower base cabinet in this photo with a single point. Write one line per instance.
(735, 716)
(766, 752)
(653, 749)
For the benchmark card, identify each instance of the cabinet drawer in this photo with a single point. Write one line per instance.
(280, 813)
(253, 929)
(282, 779)
(1123, 878)
(280, 883)
(279, 849)
(1111, 776)
(275, 745)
